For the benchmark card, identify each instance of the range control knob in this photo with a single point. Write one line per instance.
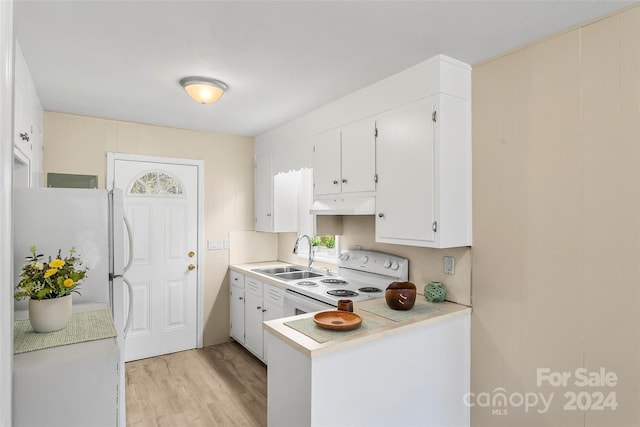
(365, 259)
(344, 257)
(387, 263)
(394, 265)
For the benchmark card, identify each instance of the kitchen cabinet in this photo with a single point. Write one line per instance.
(302, 376)
(28, 116)
(236, 306)
(253, 310)
(276, 197)
(251, 303)
(273, 308)
(424, 173)
(85, 374)
(344, 159)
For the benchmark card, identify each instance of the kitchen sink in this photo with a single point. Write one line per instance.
(297, 275)
(276, 270)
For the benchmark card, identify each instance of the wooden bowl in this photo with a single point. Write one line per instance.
(400, 295)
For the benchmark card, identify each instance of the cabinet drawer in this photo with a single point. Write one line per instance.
(236, 279)
(273, 294)
(253, 286)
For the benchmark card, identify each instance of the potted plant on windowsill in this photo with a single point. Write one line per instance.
(331, 245)
(49, 286)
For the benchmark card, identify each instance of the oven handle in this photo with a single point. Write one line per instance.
(294, 297)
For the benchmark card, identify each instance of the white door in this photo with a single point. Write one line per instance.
(161, 202)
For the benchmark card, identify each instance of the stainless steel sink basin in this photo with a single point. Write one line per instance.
(276, 270)
(297, 275)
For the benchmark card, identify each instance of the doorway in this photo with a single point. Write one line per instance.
(163, 199)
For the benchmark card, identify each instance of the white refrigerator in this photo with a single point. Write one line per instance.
(93, 222)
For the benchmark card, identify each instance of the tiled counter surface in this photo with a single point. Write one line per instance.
(310, 347)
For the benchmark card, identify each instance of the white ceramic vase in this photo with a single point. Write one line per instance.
(50, 315)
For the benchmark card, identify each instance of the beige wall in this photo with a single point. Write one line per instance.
(76, 144)
(425, 264)
(556, 220)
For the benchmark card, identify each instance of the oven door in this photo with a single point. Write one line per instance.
(295, 303)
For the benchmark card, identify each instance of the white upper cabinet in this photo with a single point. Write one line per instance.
(276, 197)
(263, 193)
(344, 159)
(424, 169)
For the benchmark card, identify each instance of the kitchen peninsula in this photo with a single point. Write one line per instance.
(400, 368)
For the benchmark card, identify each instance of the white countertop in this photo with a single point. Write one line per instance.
(311, 348)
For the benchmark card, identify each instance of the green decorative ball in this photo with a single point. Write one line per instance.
(435, 292)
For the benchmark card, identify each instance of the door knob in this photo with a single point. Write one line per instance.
(191, 267)
(191, 254)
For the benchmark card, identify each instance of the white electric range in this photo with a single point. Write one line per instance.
(362, 275)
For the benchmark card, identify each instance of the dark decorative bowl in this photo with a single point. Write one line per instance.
(400, 295)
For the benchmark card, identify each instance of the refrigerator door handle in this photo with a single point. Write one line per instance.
(127, 225)
(127, 325)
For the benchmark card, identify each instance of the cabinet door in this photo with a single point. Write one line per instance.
(253, 323)
(326, 163)
(273, 299)
(358, 156)
(405, 199)
(236, 317)
(263, 193)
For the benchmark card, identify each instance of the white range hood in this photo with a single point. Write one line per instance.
(344, 206)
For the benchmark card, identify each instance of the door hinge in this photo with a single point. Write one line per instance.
(434, 116)
(434, 226)
(314, 148)
(375, 178)
(375, 133)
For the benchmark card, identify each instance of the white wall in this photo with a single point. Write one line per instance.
(6, 207)
(291, 143)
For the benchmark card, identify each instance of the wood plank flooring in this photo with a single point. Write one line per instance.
(221, 385)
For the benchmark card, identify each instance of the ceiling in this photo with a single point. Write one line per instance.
(122, 60)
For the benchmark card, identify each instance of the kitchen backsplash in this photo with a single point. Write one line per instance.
(425, 264)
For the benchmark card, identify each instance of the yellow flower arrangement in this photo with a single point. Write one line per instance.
(55, 279)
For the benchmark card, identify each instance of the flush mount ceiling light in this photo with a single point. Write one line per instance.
(203, 89)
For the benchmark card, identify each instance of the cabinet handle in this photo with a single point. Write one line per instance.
(258, 308)
(240, 298)
(24, 136)
(268, 214)
(235, 278)
(264, 310)
(335, 182)
(380, 215)
(344, 181)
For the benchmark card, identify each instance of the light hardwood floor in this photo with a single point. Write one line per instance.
(221, 385)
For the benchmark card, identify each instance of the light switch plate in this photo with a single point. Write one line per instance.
(214, 245)
(449, 265)
(225, 243)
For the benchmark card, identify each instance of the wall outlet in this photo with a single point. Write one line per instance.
(225, 243)
(449, 265)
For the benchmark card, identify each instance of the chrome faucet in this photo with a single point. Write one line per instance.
(295, 249)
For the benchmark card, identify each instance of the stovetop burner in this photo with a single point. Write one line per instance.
(370, 289)
(307, 283)
(334, 281)
(342, 293)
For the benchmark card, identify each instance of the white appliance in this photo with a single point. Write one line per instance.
(362, 275)
(92, 221)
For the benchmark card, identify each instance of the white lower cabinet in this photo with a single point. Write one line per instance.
(236, 306)
(273, 308)
(251, 303)
(253, 316)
